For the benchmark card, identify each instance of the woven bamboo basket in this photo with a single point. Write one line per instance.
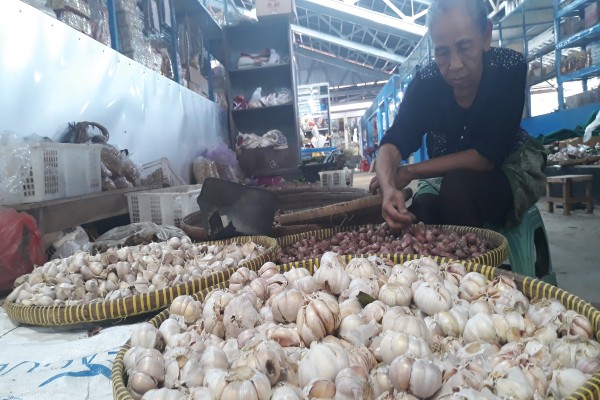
(138, 304)
(531, 287)
(119, 383)
(494, 257)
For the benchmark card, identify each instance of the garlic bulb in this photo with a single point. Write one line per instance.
(319, 389)
(147, 370)
(215, 381)
(570, 350)
(352, 384)
(286, 393)
(358, 332)
(350, 307)
(244, 383)
(565, 381)
(296, 273)
(395, 344)
(231, 349)
(322, 361)
(331, 276)
(589, 365)
(512, 384)
(480, 306)
(403, 276)
(268, 270)
(260, 287)
(285, 305)
(472, 285)
(200, 393)
(574, 324)
(419, 377)
(331, 259)
(240, 278)
(286, 336)
(407, 324)
(239, 315)
(361, 268)
(306, 284)
(357, 285)
(361, 356)
(480, 327)
(379, 380)
(544, 312)
(373, 311)
(432, 297)
(264, 356)
(147, 336)
(452, 322)
(187, 307)
(213, 311)
(277, 283)
(318, 317)
(214, 357)
(395, 294)
(163, 394)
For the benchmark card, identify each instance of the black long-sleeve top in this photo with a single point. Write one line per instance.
(491, 125)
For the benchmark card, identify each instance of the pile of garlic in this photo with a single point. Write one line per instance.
(118, 273)
(426, 332)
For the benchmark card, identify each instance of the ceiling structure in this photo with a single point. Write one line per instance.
(351, 42)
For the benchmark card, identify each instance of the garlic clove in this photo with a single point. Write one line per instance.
(565, 381)
(320, 389)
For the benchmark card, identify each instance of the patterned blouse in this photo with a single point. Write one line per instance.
(491, 125)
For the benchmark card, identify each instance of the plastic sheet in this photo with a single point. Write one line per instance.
(136, 234)
(270, 139)
(14, 158)
(71, 242)
(204, 168)
(76, 21)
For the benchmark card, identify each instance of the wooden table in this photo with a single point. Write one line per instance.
(56, 215)
(567, 199)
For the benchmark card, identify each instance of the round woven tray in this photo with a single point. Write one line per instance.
(494, 257)
(138, 304)
(531, 287)
(119, 383)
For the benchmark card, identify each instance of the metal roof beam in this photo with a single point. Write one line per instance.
(364, 16)
(341, 63)
(349, 44)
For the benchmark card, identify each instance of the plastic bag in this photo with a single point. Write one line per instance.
(204, 168)
(20, 246)
(71, 243)
(14, 161)
(590, 128)
(255, 99)
(136, 234)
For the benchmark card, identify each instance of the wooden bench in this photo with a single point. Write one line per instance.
(567, 199)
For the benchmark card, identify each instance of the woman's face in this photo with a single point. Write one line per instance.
(458, 48)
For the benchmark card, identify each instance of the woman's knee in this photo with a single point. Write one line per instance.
(458, 184)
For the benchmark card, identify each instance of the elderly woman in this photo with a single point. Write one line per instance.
(483, 167)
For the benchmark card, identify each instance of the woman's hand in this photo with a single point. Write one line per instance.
(394, 210)
(402, 179)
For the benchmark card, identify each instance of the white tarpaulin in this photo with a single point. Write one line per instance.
(57, 363)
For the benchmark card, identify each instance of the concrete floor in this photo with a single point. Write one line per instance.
(574, 246)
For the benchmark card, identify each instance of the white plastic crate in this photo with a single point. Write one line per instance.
(40, 166)
(163, 206)
(82, 169)
(339, 178)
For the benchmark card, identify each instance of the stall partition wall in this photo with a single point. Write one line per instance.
(50, 75)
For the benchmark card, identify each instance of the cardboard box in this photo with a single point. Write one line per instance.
(592, 14)
(265, 8)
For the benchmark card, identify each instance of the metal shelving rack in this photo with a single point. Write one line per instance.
(539, 21)
(580, 39)
(519, 29)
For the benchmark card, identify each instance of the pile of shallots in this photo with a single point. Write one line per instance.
(365, 330)
(119, 273)
(378, 239)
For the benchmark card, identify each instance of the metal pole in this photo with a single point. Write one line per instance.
(112, 25)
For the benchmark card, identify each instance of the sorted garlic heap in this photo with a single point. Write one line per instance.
(119, 273)
(410, 331)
